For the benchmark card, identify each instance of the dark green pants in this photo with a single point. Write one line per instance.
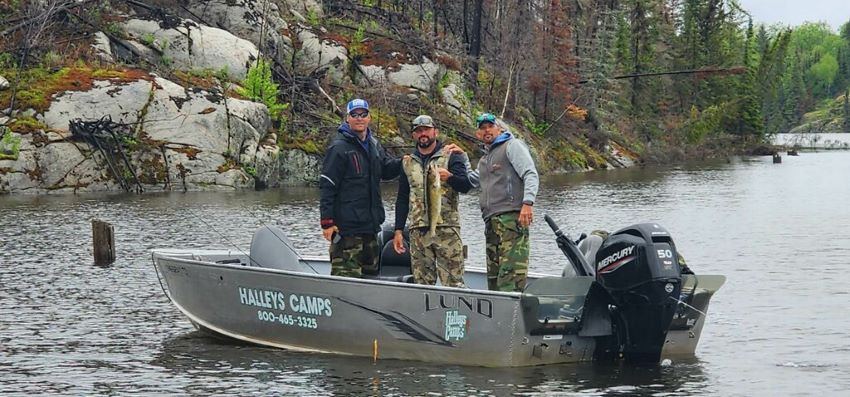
(354, 255)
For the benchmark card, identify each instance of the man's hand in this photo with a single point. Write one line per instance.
(444, 174)
(525, 215)
(398, 242)
(329, 232)
(453, 149)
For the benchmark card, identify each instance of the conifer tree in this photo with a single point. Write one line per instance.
(750, 121)
(846, 123)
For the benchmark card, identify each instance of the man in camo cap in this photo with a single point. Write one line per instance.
(431, 207)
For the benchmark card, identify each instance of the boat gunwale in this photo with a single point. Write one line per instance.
(159, 254)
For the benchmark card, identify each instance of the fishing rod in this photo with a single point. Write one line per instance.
(285, 243)
(730, 70)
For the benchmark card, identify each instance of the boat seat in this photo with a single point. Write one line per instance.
(394, 264)
(588, 247)
(270, 248)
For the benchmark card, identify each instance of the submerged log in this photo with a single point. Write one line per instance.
(103, 242)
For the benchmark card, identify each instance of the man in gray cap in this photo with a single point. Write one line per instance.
(431, 207)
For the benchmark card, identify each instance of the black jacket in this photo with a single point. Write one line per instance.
(350, 183)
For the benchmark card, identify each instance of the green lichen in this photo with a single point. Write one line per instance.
(26, 125)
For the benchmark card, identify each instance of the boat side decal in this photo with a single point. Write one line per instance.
(273, 307)
(457, 326)
(476, 305)
(404, 326)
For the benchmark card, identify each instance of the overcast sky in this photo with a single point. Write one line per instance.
(834, 12)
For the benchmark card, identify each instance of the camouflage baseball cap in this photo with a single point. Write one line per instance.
(423, 120)
(485, 118)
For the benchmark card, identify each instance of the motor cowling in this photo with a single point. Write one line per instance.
(638, 266)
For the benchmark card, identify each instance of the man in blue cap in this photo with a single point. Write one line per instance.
(508, 180)
(351, 208)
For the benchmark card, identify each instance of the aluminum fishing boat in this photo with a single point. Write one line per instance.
(624, 298)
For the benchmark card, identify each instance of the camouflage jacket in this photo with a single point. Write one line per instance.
(411, 202)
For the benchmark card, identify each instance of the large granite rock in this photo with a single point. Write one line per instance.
(300, 168)
(305, 7)
(184, 44)
(257, 21)
(422, 77)
(453, 97)
(103, 48)
(184, 139)
(317, 53)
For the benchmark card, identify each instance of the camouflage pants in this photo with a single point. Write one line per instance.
(354, 255)
(507, 252)
(444, 257)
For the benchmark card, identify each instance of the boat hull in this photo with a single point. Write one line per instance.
(370, 318)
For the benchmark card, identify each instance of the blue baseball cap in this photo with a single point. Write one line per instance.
(358, 103)
(485, 118)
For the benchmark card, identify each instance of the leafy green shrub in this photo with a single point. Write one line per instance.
(260, 87)
(313, 17)
(7, 61)
(148, 39)
(701, 124)
(356, 49)
(250, 170)
(537, 128)
(9, 145)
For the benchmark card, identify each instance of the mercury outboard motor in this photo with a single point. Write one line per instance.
(638, 266)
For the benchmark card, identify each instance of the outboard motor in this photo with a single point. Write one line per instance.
(638, 266)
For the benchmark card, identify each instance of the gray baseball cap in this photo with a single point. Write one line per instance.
(422, 120)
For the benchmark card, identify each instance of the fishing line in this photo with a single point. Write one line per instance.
(436, 262)
(693, 308)
(300, 258)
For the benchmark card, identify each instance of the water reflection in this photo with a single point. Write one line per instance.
(233, 365)
(778, 231)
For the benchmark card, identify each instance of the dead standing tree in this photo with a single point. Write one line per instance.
(38, 17)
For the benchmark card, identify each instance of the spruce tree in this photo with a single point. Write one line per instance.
(751, 120)
(846, 124)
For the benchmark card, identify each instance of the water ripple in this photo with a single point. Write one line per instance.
(779, 233)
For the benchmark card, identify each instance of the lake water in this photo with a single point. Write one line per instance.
(814, 140)
(779, 232)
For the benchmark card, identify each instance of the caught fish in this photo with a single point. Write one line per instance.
(435, 198)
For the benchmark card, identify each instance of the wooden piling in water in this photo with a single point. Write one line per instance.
(103, 242)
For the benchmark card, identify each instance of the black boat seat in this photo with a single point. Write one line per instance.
(270, 248)
(394, 264)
